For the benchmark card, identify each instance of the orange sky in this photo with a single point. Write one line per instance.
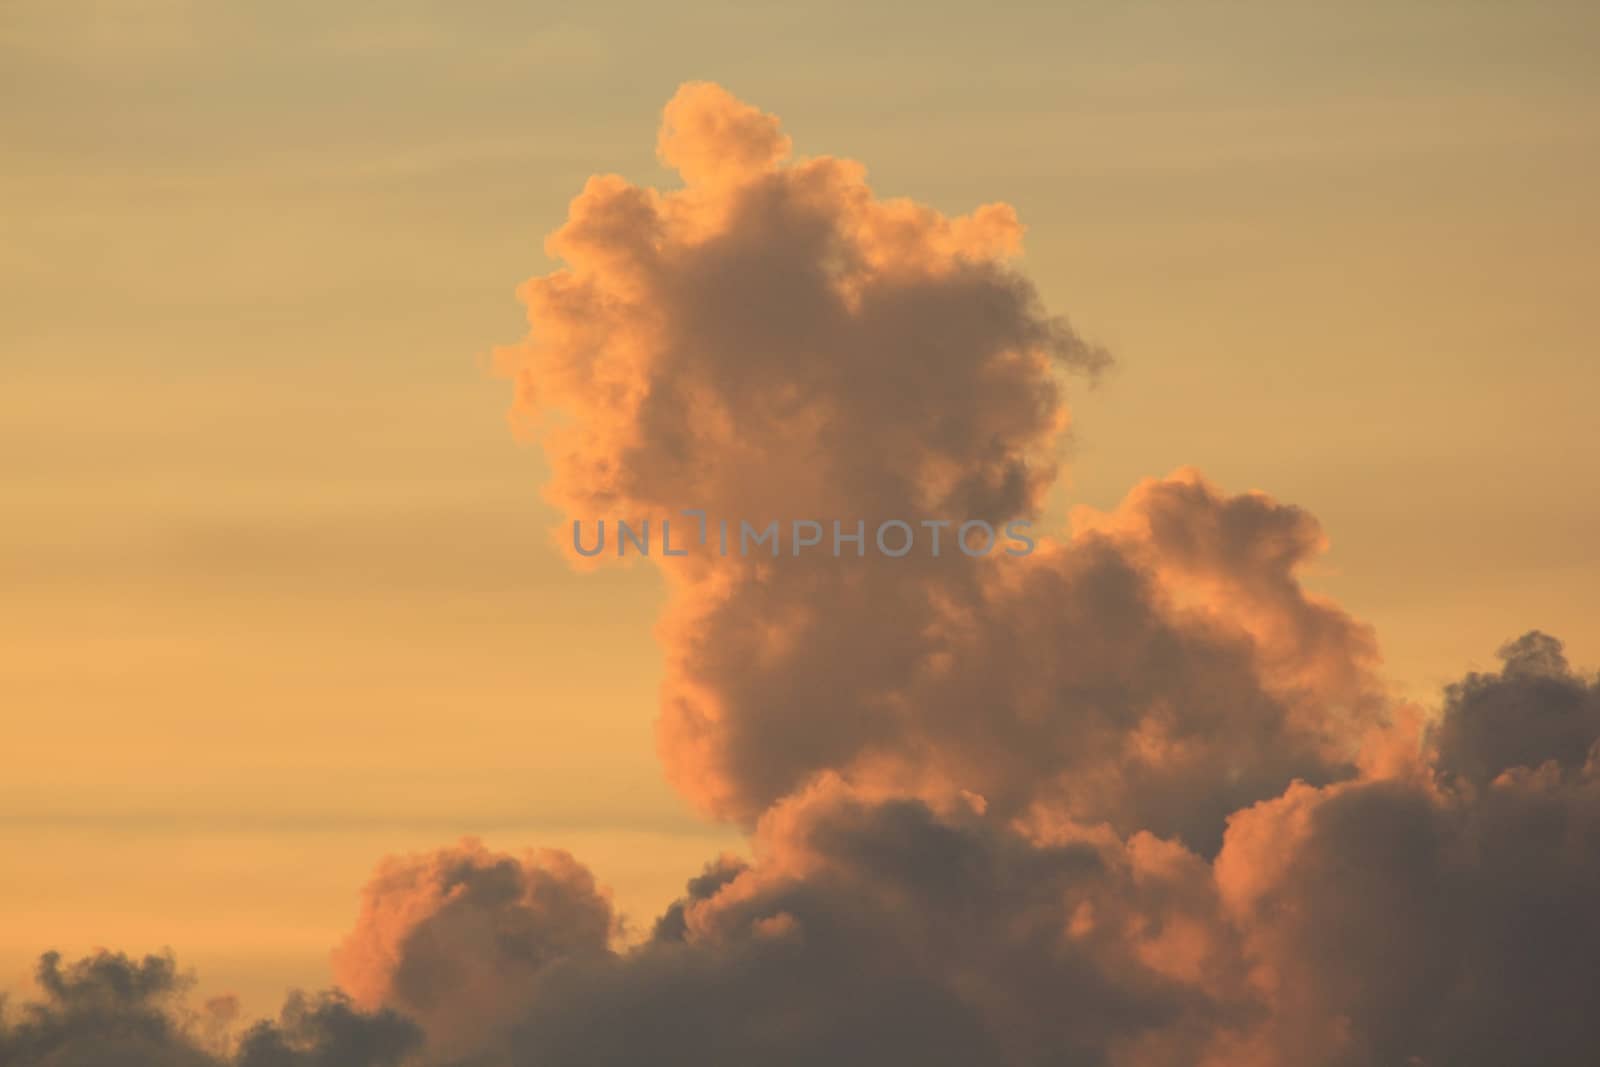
(278, 593)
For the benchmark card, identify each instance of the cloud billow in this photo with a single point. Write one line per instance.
(1137, 799)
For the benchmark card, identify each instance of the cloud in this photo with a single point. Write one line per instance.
(1535, 710)
(458, 939)
(877, 928)
(110, 1010)
(1136, 799)
(1414, 917)
(772, 341)
(1427, 923)
(327, 1031)
(107, 1009)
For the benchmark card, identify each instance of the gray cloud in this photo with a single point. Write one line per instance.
(110, 1010)
(1534, 710)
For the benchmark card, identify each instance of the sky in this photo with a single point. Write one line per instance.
(281, 595)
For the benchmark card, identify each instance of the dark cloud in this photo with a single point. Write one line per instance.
(1534, 710)
(106, 1010)
(326, 1031)
(1396, 924)
(110, 1010)
(878, 930)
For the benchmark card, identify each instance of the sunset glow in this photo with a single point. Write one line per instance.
(1246, 340)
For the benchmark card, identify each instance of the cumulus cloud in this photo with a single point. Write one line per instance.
(1414, 918)
(877, 930)
(111, 1010)
(1535, 710)
(459, 938)
(326, 1030)
(773, 341)
(1435, 920)
(1136, 799)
